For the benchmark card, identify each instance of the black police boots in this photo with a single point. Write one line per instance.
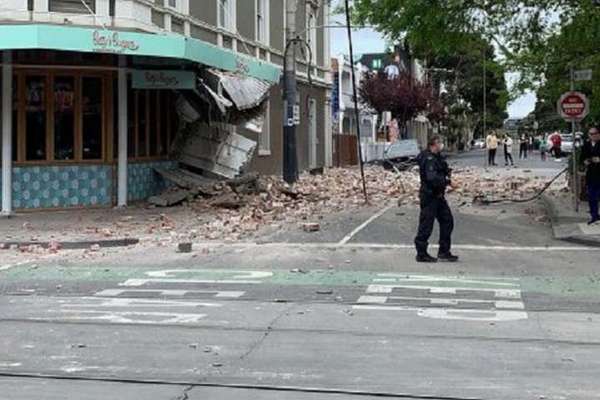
(426, 258)
(447, 257)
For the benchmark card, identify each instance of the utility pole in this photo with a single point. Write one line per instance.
(290, 96)
(484, 93)
(574, 149)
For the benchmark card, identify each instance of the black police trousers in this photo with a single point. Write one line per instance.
(433, 208)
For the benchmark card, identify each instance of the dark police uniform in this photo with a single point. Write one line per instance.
(588, 152)
(435, 177)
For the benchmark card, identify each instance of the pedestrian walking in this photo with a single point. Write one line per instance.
(556, 142)
(508, 145)
(530, 143)
(590, 154)
(435, 177)
(523, 147)
(543, 148)
(491, 143)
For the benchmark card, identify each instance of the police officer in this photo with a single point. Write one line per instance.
(590, 154)
(435, 177)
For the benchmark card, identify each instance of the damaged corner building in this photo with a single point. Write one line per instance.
(162, 88)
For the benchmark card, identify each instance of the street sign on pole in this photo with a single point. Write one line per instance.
(573, 106)
(582, 75)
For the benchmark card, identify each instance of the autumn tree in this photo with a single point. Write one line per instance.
(402, 96)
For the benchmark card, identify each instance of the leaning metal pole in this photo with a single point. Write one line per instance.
(356, 110)
(290, 96)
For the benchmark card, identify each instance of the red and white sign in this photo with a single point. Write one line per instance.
(573, 106)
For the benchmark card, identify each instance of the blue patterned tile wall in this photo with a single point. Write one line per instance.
(143, 181)
(82, 185)
(62, 186)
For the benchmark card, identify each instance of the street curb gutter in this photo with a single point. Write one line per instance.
(79, 245)
(592, 241)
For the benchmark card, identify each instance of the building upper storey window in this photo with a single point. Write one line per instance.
(311, 31)
(72, 6)
(226, 14)
(262, 21)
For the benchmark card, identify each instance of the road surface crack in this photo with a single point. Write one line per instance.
(184, 395)
(267, 332)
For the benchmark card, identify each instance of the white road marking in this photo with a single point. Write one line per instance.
(506, 304)
(132, 302)
(452, 314)
(235, 275)
(394, 277)
(132, 317)
(6, 267)
(170, 276)
(372, 299)
(170, 293)
(500, 293)
(142, 282)
(501, 304)
(362, 226)
(366, 246)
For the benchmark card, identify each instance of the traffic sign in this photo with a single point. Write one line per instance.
(573, 106)
(582, 75)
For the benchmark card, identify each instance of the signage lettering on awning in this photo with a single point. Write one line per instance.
(154, 79)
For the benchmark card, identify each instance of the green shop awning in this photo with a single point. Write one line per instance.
(69, 38)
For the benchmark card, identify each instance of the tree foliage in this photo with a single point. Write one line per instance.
(402, 96)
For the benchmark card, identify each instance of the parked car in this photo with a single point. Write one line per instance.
(567, 143)
(479, 144)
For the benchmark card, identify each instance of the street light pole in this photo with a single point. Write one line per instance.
(290, 96)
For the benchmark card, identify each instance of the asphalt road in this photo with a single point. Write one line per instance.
(344, 313)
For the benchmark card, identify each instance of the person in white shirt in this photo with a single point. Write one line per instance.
(491, 143)
(508, 143)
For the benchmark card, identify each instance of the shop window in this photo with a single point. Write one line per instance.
(92, 124)
(58, 117)
(64, 117)
(142, 120)
(35, 118)
(15, 118)
(153, 122)
(131, 124)
(164, 101)
(151, 126)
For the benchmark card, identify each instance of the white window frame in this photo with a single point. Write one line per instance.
(264, 138)
(262, 33)
(311, 32)
(231, 18)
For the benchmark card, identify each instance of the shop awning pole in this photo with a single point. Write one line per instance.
(122, 132)
(7, 89)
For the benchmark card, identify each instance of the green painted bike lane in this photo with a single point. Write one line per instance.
(568, 286)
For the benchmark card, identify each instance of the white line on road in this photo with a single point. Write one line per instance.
(168, 292)
(364, 225)
(381, 246)
(452, 314)
(501, 304)
(501, 293)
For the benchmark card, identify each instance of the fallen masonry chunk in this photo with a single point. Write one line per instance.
(184, 247)
(324, 291)
(311, 227)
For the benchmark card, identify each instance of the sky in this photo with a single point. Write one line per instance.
(369, 41)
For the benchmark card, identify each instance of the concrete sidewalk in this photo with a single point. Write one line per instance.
(569, 225)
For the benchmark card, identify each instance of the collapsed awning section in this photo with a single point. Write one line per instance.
(246, 92)
(220, 102)
(224, 97)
